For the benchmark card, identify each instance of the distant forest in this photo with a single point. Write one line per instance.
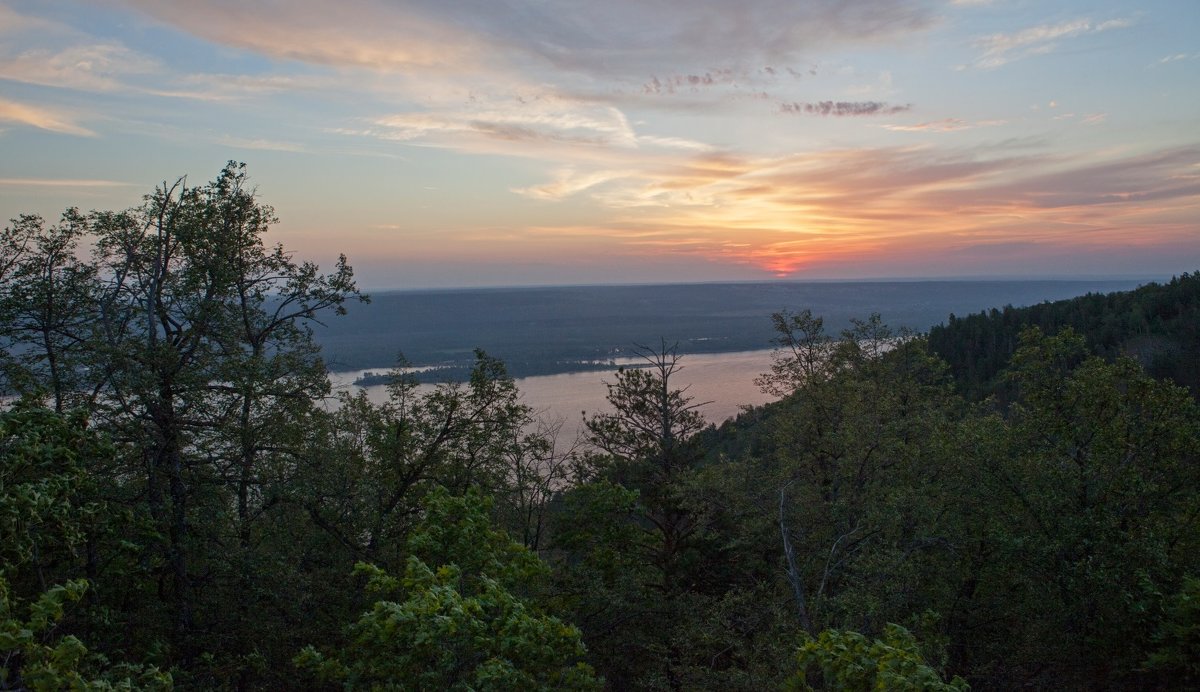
(182, 506)
(550, 330)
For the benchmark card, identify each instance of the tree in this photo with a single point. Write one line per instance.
(849, 661)
(648, 439)
(1090, 485)
(634, 510)
(462, 617)
(1176, 643)
(186, 340)
(47, 295)
(50, 518)
(209, 367)
(364, 481)
(802, 353)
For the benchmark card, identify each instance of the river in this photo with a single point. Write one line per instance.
(725, 380)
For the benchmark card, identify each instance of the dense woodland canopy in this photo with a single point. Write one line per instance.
(179, 506)
(1158, 325)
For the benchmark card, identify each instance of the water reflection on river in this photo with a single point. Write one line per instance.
(724, 379)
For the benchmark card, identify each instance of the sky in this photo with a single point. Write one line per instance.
(448, 143)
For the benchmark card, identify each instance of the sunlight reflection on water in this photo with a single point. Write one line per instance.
(724, 379)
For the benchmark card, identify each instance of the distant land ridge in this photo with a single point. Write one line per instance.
(550, 330)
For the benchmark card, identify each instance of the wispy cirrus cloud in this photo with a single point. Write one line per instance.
(945, 125)
(1165, 176)
(367, 33)
(13, 22)
(843, 108)
(92, 67)
(1085, 119)
(1176, 57)
(559, 122)
(43, 118)
(216, 87)
(548, 126)
(260, 144)
(63, 57)
(55, 182)
(568, 182)
(617, 38)
(1003, 48)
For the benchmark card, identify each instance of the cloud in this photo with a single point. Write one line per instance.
(367, 33)
(944, 125)
(48, 182)
(96, 67)
(1130, 181)
(236, 87)
(1001, 49)
(1087, 119)
(13, 22)
(829, 210)
(545, 122)
(843, 108)
(616, 38)
(42, 118)
(110, 67)
(674, 143)
(261, 144)
(1177, 57)
(691, 82)
(568, 182)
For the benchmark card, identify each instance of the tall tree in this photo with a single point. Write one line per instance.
(649, 441)
(187, 338)
(47, 301)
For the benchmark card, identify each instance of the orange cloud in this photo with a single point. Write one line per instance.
(42, 118)
(887, 207)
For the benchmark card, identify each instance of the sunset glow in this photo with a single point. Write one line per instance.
(481, 143)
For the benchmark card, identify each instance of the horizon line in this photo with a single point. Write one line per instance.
(1142, 278)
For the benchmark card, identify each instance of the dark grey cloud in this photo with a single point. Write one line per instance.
(843, 108)
(672, 83)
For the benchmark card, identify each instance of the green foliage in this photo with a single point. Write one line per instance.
(461, 624)
(1079, 509)
(602, 569)
(33, 657)
(846, 660)
(1176, 652)
(48, 511)
(364, 481)
(847, 471)
(1157, 324)
(44, 487)
(185, 471)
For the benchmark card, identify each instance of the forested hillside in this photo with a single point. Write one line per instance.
(1157, 325)
(182, 506)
